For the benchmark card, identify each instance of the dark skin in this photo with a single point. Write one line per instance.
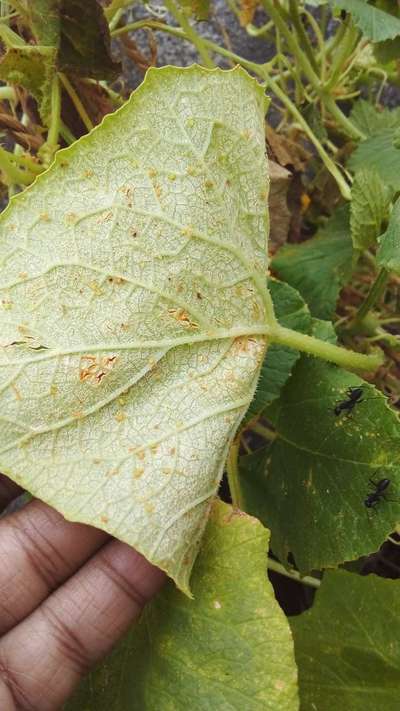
(68, 592)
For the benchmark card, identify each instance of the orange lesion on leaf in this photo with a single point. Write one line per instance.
(183, 318)
(96, 288)
(116, 280)
(105, 217)
(71, 218)
(128, 191)
(94, 368)
(16, 392)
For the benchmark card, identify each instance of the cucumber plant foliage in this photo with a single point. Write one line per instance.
(135, 321)
(135, 312)
(133, 298)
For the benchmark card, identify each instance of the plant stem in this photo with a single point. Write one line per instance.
(301, 33)
(323, 349)
(262, 430)
(66, 134)
(341, 118)
(342, 53)
(293, 574)
(76, 101)
(373, 296)
(261, 70)
(232, 470)
(274, 11)
(326, 159)
(182, 19)
(54, 128)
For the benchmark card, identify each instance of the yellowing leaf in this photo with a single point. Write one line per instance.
(134, 308)
(229, 648)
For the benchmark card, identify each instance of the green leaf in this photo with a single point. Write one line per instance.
(85, 41)
(253, 483)
(375, 24)
(199, 8)
(380, 154)
(33, 68)
(370, 121)
(319, 267)
(42, 17)
(388, 255)
(291, 312)
(389, 50)
(370, 202)
(324, 330)
(133, 311)
(229, 648)
(75, 38)
(316, 473)
(355, 663)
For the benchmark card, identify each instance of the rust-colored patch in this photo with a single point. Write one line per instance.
(138, 472)
(94, 368)
(105, 218)
(104, 519)
(183, 317)
(16, 391)
(116, 280)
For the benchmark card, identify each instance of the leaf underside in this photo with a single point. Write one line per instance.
(132, 292)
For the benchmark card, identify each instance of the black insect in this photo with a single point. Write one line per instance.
(354, 397)
(379, 492)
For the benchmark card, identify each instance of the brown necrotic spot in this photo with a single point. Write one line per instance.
(94, 368)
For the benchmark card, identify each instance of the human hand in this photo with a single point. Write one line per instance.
(67, 593)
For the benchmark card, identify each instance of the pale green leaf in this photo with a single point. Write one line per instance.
(375, 24)
(370, 121)
(316, 473)
(75, 39)
(199, 8)
(31, 67)
(379, 153)
(388, 255)
(369, 208)
(132, 292)
(324, 330)
(319, 267)
(352, 662)
(291, 312)
(42, 18)
(229, 648)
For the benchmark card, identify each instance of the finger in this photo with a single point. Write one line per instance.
(44, 657)
(39, 549)
(8, 491)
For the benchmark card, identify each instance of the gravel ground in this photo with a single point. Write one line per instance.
(222, 24)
